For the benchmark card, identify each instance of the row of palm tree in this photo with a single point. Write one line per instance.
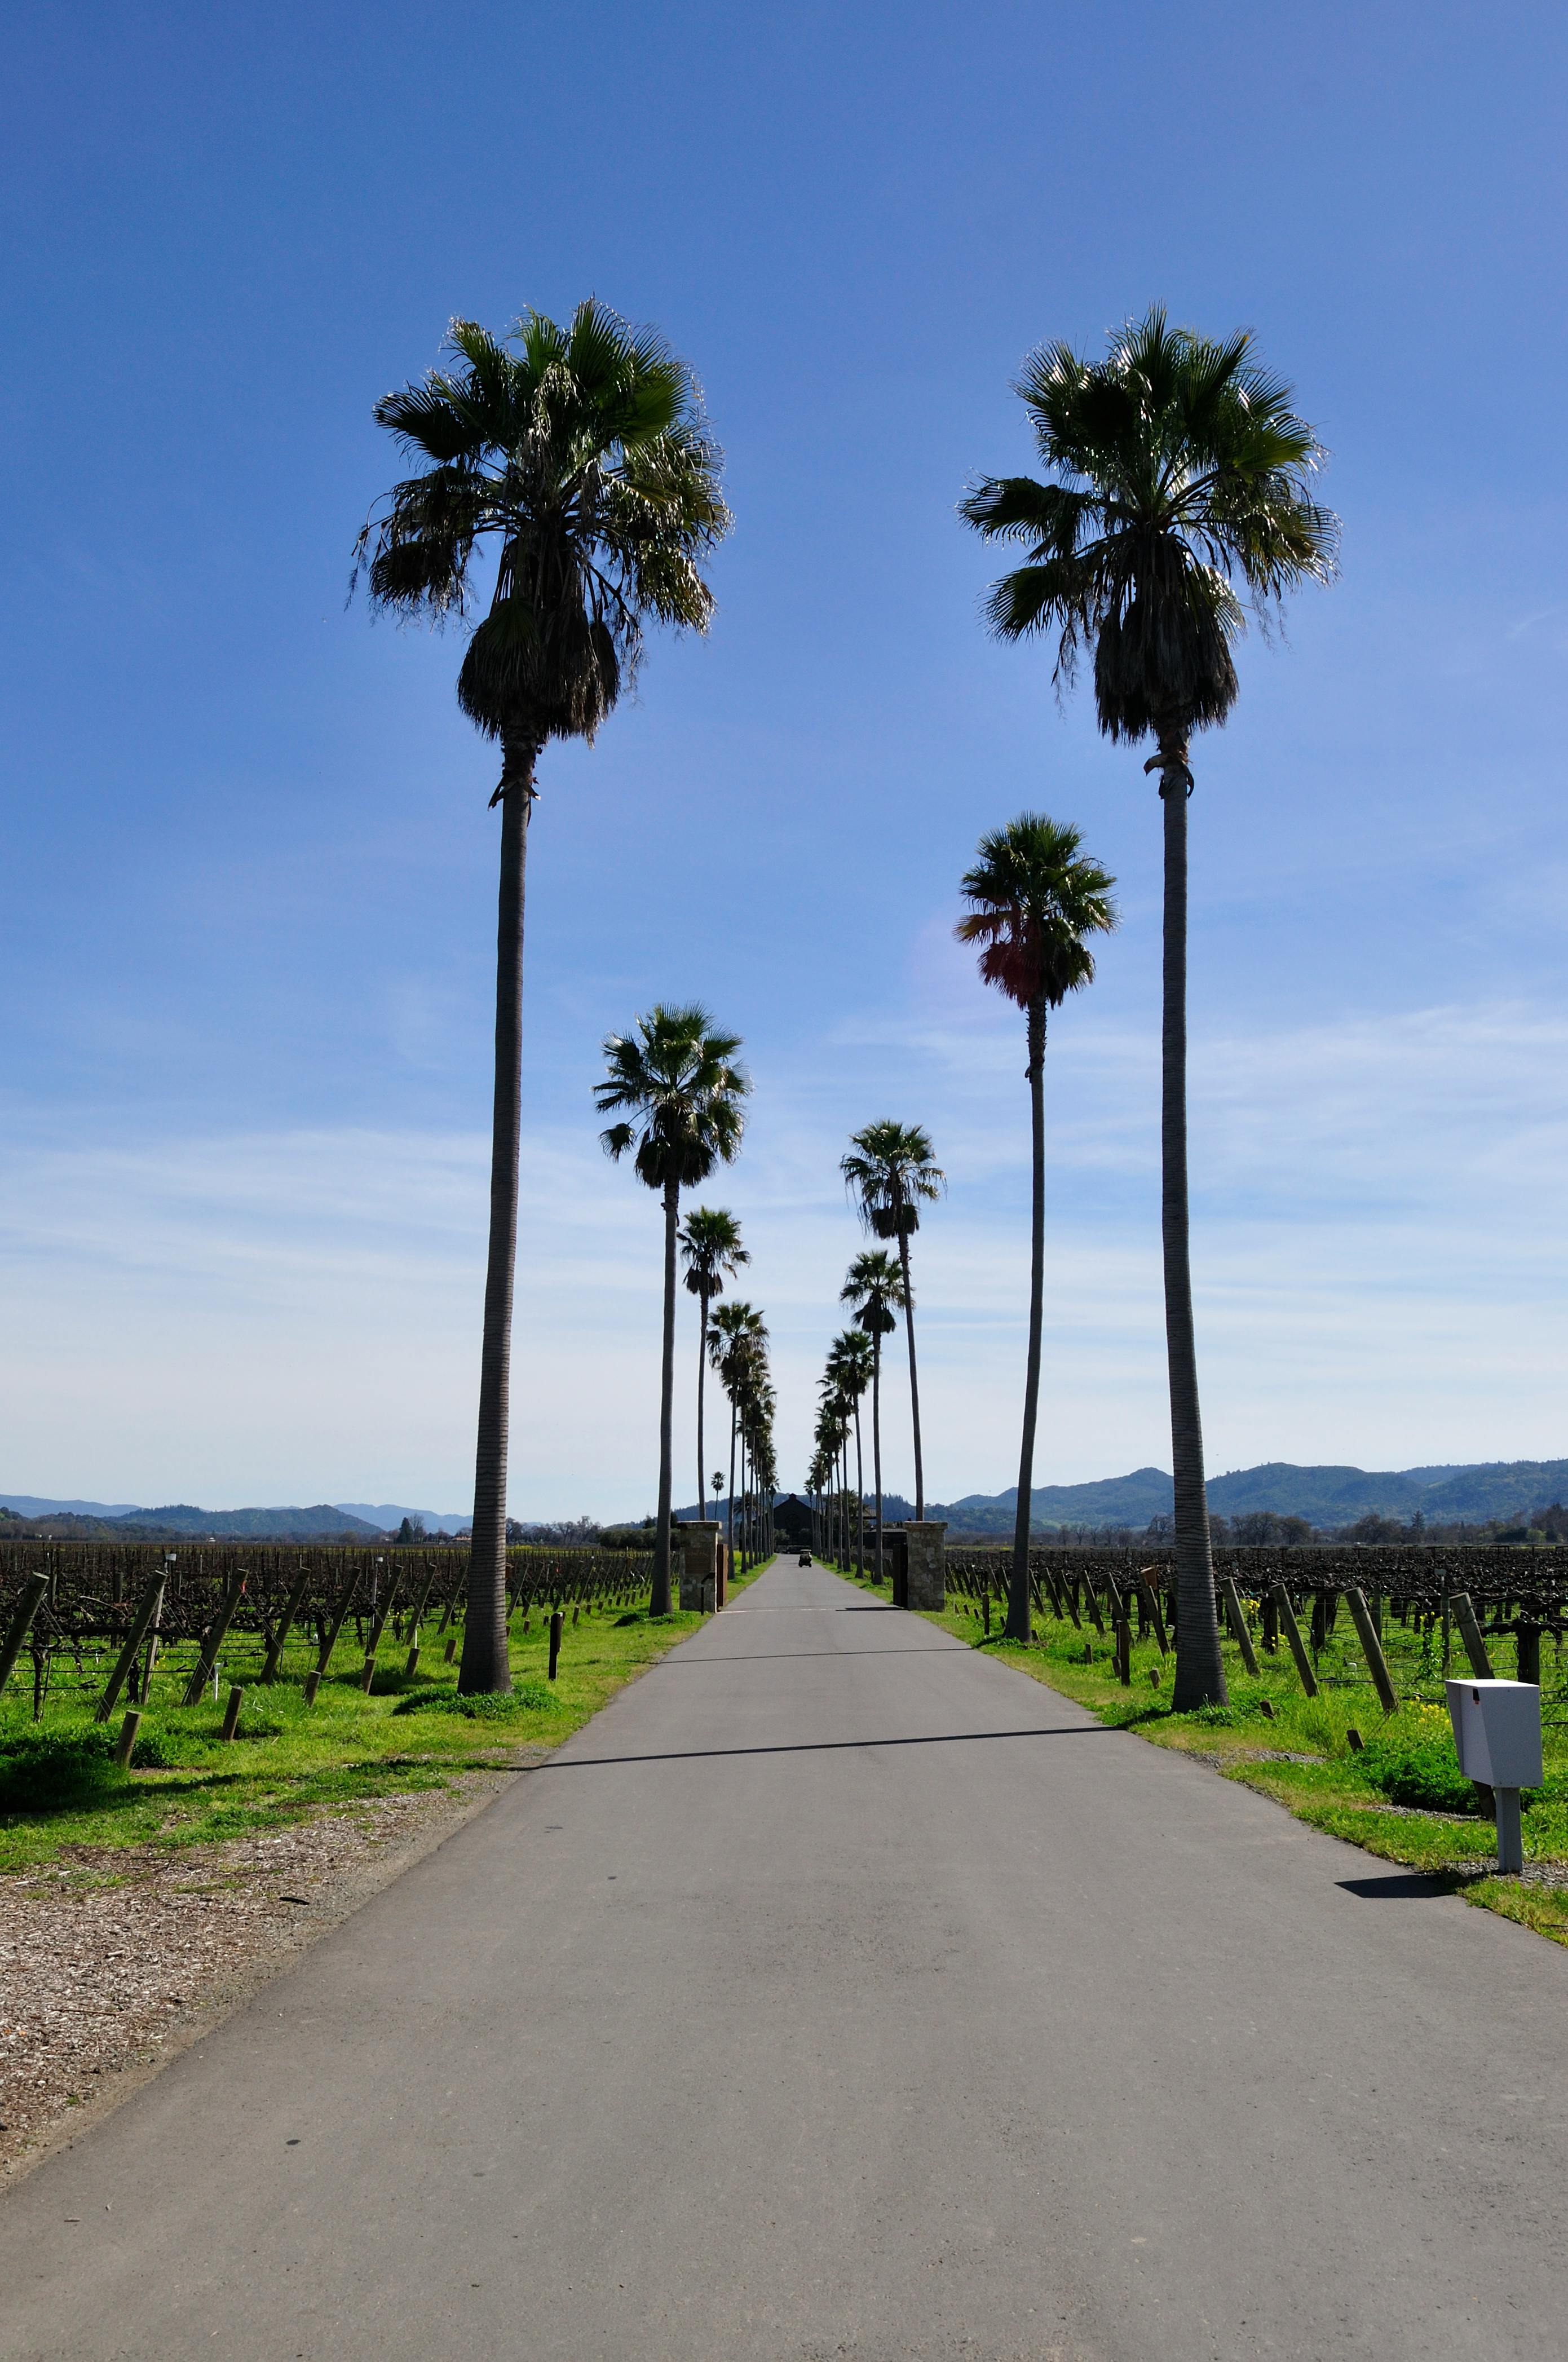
(736, 1341)
(842, 1511)
(1177, 492)
(890, 1172)
(675, 1082)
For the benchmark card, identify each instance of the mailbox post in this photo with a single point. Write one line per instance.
(1497, 1736)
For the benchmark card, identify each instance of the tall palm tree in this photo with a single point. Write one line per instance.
(678, 1078)
(1179, 491)
(737, 1346)
(581, 455)
(875, 1285)
(712, 1249)
(1034, 901)
(890, 1173)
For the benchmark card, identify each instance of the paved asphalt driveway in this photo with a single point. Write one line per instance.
(838, 1993)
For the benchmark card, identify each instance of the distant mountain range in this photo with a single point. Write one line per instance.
(1457, 1492)
(359, 1520)
(387, 1514)
(1462, 1493)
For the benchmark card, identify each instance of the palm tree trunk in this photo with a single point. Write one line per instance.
(486, 1664)
(1200, 1672)
(730, 1504)
(877, 1438)
(860, 1498)
(1018, 1591)
(659, 1605)
(701, 1379)
(914, 1383)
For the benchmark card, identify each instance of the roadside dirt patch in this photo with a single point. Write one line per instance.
(115, 1958)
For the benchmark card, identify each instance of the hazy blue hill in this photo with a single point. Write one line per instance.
(251, 1524)
(1327, 1496)
(387, 1516)
(33, 1505)
(1499, 1488)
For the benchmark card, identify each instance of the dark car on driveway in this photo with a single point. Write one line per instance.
(805, 1558)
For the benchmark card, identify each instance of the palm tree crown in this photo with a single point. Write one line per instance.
(890, 1173)
(875, 1285)
(710, 1249)
(1180, 494)
(1035, 898)
(679, 1076)
(583, 454)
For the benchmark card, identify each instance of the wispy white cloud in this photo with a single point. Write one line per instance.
(1378, 1249)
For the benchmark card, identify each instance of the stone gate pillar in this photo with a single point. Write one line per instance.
(700, 1565)
(926, 1546)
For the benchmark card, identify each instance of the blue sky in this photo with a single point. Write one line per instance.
(247, 866)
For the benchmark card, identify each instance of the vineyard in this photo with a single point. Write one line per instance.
(1397, 1619)
(93, 1623)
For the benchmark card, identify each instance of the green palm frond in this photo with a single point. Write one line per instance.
(874, 1285)
(581, 453)
(677, 1076)
(889, 1172)
(1179, 499)
(1035, 898)
(710, 1250)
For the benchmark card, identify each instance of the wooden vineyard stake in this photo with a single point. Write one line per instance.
(125, 1746)
(145, 1618)
(346, 1601)
(1091, 1601)
(1281, 1598)
(1270, 1622)
(1152, 1600)
(292, 1606)
(377, 1629)
(216, 1632)
(312, 1683)
(1238, 1623)
(557, 1622)
(27, 1607)
(986, 1610)
(1372, 1650)
(1470, 1633)
(1124, 1652)
(421, 1600)
(1527, 1638)
(231, 1712)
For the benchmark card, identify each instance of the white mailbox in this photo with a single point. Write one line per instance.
(1496, 1731)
